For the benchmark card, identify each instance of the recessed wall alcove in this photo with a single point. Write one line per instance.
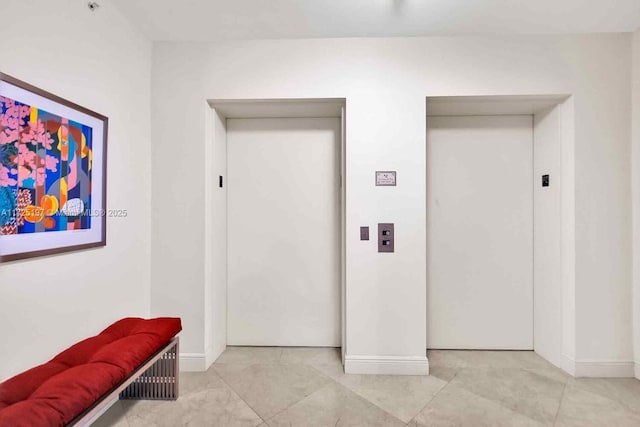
(548, 310)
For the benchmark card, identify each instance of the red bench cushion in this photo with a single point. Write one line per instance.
(55, 393)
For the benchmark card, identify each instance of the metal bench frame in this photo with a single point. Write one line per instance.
(156, 379)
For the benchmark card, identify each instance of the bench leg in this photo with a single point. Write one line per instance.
(159, 382)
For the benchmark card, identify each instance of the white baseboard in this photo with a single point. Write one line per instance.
(587, 368)
(386, 365)
(209, 358)
(214, 353)
(193, 362)
(199, 362)
(568, 365)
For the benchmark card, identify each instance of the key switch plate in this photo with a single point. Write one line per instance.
(386, 237)
(364, 233)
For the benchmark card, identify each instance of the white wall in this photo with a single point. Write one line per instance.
(568, 219)
(548, 309)
(636, 188)
(99, 61)
(603, 214)
(385, 82)
(216, 269)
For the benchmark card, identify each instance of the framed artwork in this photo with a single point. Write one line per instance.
(52, 173)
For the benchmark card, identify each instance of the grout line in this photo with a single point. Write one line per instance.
(497, 402)
(609, 397)
(338, 383)
(359, 396)
(295, 403)
(279, 360)
(555, 419)
(237, 394)
(436, 394)
(322, 373)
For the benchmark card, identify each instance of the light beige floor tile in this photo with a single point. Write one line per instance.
(447, 359)
(623, 390)
(336, 371)
(456, 406)
(195, 382)
(454, 360)
(269, 389)
(535, 363)
(535, 396)
(218, 406)
(444, 358)
(295, 386)
(551, 372)
(473, 359)
(326, 360)
(204, 400)
(443, 373)
(311, 355)
(485, 359)
(333, 371)
(135, 421)
(334, 405)
(402, 396)
(583, 408)
(114, 417)
(220, 409)
(262, 355)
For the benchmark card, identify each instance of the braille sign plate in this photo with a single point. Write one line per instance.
(386, 178)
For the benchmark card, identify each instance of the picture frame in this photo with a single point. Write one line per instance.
(53, 173)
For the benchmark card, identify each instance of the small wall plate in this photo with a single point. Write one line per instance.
(385, 178)
(364, 233)
(386, 237)
(545, 180)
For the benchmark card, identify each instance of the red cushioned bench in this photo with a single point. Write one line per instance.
(131, 359)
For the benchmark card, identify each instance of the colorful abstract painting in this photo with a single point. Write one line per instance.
(45, 171)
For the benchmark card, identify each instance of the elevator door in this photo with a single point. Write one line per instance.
(480, 232)
(284, 231)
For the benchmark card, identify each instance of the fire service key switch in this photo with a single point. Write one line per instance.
(385, 237)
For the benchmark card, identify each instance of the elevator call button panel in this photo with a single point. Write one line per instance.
(386, 239)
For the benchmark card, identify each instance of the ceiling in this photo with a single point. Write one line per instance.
(208, 20)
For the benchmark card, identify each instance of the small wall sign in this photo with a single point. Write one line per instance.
(386, 178)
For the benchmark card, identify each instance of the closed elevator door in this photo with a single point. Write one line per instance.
(480, 232)
(284, 231)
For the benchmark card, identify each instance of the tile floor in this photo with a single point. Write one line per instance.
(267, 386)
